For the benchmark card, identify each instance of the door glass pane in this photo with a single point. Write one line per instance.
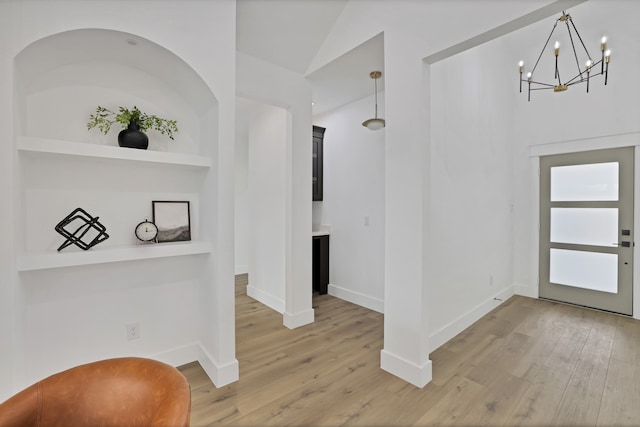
(597, 181)
(584, 226)
(589, 270)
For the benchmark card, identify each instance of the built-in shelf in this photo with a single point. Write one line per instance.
(99, 255)
(68, 148)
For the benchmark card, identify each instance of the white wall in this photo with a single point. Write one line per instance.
(471, 187)
(353, 202)
(9, 296)
(413, 31)
(548, 118)
(483, 187)
(268, 128)
(241, 195)
(57, 319)
(267, 83)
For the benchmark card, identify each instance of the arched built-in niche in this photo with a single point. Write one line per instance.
(77, 303)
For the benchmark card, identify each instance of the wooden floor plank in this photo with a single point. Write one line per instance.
(580, 403)
(456, 404)
(621, 395)
(495, 406)
(528, 362)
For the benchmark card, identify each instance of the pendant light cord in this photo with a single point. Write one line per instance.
(375, 82)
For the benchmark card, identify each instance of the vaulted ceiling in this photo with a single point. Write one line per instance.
(289, 34)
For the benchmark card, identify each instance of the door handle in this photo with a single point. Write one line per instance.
(622, 244)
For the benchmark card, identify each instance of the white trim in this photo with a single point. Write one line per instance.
(266, 298)
(220, 375)
(241, 269)
(451, 329)
(417, 375)
(362, 300)
(534, 261)
(586, 144)
(302, 318)
(636, 233)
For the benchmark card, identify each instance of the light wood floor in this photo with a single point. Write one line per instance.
(528, 362)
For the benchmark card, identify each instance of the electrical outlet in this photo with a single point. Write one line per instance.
(133, 331)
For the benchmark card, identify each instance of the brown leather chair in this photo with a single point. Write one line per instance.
(124, 392)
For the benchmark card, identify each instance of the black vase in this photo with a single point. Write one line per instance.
(133, 137)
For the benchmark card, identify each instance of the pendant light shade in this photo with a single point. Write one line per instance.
(375, 123)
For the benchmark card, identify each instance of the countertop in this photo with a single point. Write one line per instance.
(320, 230)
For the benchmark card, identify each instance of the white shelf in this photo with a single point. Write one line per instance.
(68, 148)
(98, 255)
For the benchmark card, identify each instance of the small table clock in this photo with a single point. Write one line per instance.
(147, 231)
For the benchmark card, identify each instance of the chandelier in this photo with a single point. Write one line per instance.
(584, 73)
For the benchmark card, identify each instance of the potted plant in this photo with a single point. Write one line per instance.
(134, 123)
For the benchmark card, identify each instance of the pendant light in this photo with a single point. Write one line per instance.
(375, 123)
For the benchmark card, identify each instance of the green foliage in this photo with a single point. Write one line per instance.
(104, 118)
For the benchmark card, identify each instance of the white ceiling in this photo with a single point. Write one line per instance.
(289, 33)
(347, 79)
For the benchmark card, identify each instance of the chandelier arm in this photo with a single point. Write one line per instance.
(542, 84)
(582, 80)
(580, 38)
(573, 46)
(543, 88)
(574, 81)
(545, 46)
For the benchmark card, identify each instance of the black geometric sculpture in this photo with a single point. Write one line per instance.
(87, 231)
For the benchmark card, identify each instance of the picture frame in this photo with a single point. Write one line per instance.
(173, 219)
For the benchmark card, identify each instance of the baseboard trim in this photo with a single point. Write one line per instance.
(450, 330)
(363, 300)
(241, 269)
(266, 298)
(296, 320)
(417, 375)
(220, 375)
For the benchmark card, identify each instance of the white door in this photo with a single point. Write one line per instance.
(586, 229)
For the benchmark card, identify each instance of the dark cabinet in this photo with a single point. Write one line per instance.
(318, 136)
(320, 269)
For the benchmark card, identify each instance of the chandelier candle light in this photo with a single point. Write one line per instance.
(584, 74)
